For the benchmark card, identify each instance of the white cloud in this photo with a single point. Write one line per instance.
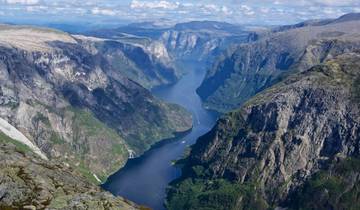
(36, 8)
(226, 10)
(337, 2)
(247, 10)
(135, 4)
(99, 11)
(241, 11)
(27, 2)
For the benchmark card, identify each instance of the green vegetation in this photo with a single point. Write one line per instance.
(336, 188)
(86, 120)
(19, 146)
(42, 118)
(56, 139)
(86, 125)
(356, 90)
(217, 194)
(85, 171)
(12, 104)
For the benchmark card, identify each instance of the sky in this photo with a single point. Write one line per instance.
(258, 12)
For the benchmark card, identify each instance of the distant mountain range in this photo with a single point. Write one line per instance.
(198, 41)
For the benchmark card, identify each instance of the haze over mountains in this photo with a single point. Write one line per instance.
(289, 95)
(197, 41)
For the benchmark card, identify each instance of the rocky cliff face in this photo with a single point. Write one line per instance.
(247, 69)
(147, 63)
(76, 105)
(202, 41)
(28, 182)
(260, 155)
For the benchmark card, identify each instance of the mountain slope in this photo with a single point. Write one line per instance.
(75, 105)
(196, 41)
(247, 69)
(260, 155)
(28, 182)
(148, 65)
(202, 40)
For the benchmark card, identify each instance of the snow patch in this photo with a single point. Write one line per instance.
(15, 134)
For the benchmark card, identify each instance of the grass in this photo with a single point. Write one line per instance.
(85, 171)
(42, 118)
(335, 188)
(213, 194)
(356, 90)
(85, 123)
(19, 146)
(56, 139)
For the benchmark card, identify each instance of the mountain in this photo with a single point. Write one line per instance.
(294, 145)
(29, 182)
(75, 105)
(197, 41)
(149, 65)
(201, 41)
(348, 17)
(320, 22)
(242, 71)
(209, 26)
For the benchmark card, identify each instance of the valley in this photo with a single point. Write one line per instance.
(144, 180)
(167, 115)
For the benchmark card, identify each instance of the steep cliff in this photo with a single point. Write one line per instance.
(147, 64)
(202, 41)
(262, 154)
(76, 105)
(242, 71)
(29, 182)
(196, 41)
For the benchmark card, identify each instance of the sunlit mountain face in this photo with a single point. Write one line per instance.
(179, 105)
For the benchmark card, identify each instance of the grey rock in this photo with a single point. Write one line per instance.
(244, 70)
(287, 133)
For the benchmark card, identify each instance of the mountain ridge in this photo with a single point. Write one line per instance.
(246, 69)
(278, 140)
(69, 100)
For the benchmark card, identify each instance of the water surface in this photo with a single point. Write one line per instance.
(144, 179)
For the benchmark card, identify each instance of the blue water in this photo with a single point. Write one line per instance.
(144, 179)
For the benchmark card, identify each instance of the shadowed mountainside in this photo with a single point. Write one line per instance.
(295, 138)
(243, 71)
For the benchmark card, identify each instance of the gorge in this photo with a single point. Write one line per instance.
(202, 115)
(144, 180)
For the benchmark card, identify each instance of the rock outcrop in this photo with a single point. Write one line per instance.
(202, 41)
(29, 182)
(260, 155)
(145, 62)
(75, 104)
